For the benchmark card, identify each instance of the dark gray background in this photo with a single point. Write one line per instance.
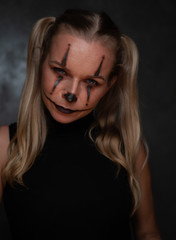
(152, 26)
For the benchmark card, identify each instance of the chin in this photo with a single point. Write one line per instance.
(68, 118)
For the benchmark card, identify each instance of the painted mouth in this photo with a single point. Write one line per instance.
(65, 110)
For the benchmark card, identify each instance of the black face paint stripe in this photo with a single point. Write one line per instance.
(63, 63)
(56, 83)
(99, 68)
(64, 60)
(88, 94)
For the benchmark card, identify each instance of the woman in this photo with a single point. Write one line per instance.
(75, 165)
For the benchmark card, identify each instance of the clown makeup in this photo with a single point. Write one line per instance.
(65, 110)
(64, 60)
(99, 68)
(63, 63)
(88, 94)
(56, 83)
(96, 74)
(70, 97)
(74, 76)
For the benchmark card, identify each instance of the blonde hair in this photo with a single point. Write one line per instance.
(116, 115)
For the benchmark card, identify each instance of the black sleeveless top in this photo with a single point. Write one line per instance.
(71, 192)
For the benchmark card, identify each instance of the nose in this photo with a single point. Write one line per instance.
(72, 91)
(70, 97)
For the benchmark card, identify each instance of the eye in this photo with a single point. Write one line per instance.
(59, 70)
(92, 82)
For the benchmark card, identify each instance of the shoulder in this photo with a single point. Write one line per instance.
(4, 143)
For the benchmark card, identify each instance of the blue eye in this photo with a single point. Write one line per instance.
(92, 82)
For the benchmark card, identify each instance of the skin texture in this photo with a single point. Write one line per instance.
(78, 71)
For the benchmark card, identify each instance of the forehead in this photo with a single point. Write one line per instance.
(82, 54)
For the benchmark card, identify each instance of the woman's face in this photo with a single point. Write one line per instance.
(74, 77)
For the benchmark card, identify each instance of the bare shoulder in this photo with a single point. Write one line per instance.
(4, 143)
(4, 140)
(4, 133)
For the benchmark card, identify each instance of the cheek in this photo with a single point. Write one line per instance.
(46, 81)
(96, 95)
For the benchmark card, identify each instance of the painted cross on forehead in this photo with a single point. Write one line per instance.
(96, 74)
(63, 63)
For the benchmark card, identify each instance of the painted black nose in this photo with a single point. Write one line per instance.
(70, 97)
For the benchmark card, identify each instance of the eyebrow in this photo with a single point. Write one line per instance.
(65, 68)
(95, 76)
(60, 65)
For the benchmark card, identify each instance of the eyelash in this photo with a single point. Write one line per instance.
(90, 82)
(59, 70)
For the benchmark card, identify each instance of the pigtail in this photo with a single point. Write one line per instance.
(128, 97)
(31, 124)
(38, 38)
(117, 115)
(129, 119)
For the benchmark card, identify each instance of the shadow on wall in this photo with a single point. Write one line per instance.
(12, 76)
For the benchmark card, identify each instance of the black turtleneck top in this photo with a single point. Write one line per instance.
(71, 192)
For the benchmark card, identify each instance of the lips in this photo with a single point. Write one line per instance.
(64, 110)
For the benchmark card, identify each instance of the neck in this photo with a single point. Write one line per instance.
(79, 125)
